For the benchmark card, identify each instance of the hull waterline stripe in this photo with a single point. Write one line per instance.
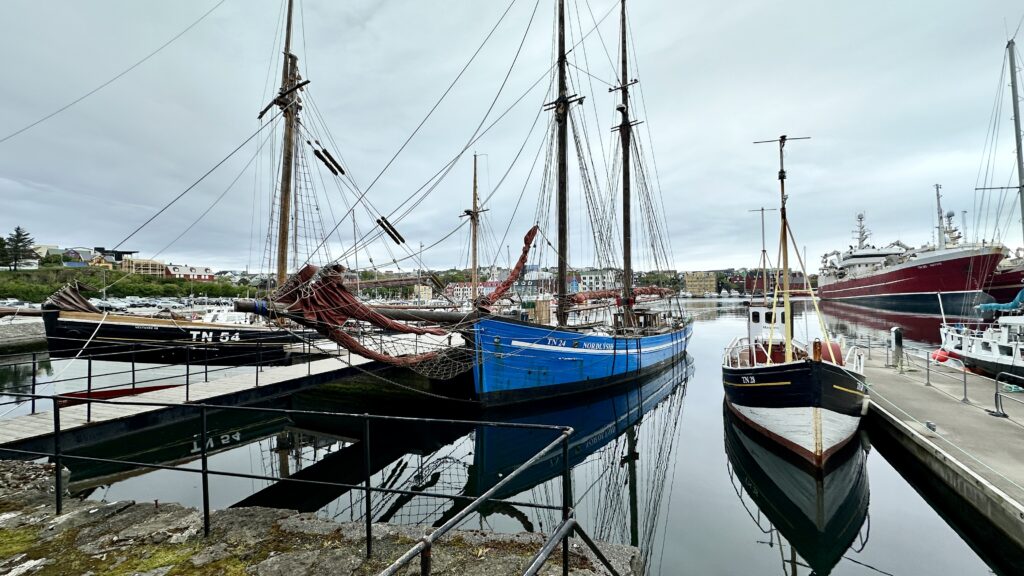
(564, 349)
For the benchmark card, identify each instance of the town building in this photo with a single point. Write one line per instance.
(754, 281)
(464, 290)
(197, 273)
(422, 292)
(143, 266)
(534, 282)
(699, 283)
(599, 279)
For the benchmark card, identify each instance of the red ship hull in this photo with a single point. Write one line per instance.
(959, 281)
(1006, 285)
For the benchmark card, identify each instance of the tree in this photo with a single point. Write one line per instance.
(4, 260)
(19, 246)
(53, 260)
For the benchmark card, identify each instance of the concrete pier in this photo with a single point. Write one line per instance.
(976, 456)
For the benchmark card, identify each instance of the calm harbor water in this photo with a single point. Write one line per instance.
(708, 498)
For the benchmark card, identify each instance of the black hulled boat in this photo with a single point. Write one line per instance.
(807, 399)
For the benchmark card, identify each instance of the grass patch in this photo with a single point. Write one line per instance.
(146, 558)
(17, 540)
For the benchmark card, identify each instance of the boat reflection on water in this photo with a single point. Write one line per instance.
(855, 321)
(620, 454)
(819, 513)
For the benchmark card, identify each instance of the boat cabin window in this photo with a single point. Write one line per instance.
(986, 346)
(1005, 350)
(768, 318)
(755, 317)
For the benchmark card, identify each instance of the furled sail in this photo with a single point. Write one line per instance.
(513, 274)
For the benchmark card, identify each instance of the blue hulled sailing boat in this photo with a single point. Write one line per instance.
(517, 361)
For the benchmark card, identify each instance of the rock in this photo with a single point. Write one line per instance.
(307, 524)
(330, 562)
(29, 566)
(92, 513)
(245, 525)
(287, 564)
(211, 554)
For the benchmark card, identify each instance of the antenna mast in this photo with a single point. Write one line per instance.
(763, 263)
(940, 241)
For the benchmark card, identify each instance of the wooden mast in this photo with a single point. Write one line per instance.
(1011, 49)
(624, 133)
(288, 101)
(786, 316)
(562, 122)
(784, 245)
(474, 222)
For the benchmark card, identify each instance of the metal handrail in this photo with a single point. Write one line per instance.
(567, 527)
(999, 412)
(422, 548)
(89, 389)
(426, 543)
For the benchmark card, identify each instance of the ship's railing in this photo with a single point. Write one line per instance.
(740, 348)
(422, 548)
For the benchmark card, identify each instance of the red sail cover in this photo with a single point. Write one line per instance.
(321, 298)
(513, 275)
(582, 297)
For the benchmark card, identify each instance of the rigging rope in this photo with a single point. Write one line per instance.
(114, 79)
(201, 178)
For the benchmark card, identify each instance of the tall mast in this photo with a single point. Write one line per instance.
(289, 106)
(624, 133)
(561, 120)
(787, 317)
(784, 245)
(1011, 49)
(474, 222)
(940, 240)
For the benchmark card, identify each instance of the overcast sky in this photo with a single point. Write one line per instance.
(896, 96)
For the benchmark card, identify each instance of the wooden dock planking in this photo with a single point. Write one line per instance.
(28, 426)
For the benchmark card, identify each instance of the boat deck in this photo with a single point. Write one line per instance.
(977, 455)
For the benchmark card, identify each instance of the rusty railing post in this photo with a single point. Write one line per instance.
(34, 368)
(188, 370)
(566, 500)
(88, 399)
(206, 478)
(369, 511)
(57, 488)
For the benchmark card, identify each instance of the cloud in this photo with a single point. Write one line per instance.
(895, 95)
